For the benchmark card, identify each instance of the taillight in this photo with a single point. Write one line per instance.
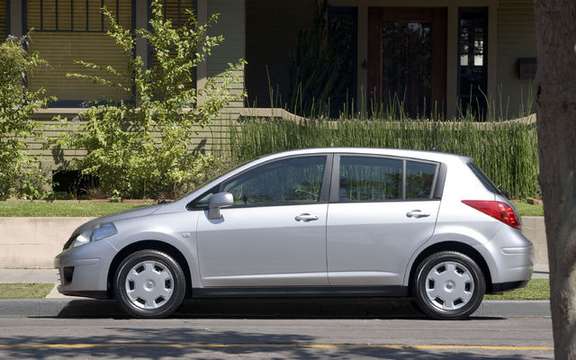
(497, 209)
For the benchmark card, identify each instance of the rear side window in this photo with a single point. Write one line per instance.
(370, 179)
(485, 180)
(419, 180)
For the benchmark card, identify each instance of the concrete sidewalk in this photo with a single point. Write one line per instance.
(28, 276)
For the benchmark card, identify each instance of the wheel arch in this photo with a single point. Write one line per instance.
(451, 246)
(149, 245)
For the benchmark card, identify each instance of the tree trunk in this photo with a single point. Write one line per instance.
(556, 109)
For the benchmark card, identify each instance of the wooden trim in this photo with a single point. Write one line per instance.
(438, 18)
(374, 56)
(439, 46)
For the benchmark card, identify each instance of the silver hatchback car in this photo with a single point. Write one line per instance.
(319, 222)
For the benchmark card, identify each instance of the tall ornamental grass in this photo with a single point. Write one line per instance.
(506, 151)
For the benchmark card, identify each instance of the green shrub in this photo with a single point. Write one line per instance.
(506, 151)
(145, 148)
(19, 174)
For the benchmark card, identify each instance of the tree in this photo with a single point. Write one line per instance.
(19, 174)
(144, 148)
(556, 110)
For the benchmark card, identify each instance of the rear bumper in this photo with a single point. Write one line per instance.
(513, 256)
(507, 286)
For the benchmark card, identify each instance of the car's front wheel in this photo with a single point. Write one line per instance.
(449, 285)
(150, 284)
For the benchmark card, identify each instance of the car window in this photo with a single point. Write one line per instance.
(419, 179)
(485, 180)
(284, 182)
(364, 178)
(202, 201)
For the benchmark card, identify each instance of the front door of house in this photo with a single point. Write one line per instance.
(407, 60)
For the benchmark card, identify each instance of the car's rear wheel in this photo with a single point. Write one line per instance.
(449, 285)
(150, 284)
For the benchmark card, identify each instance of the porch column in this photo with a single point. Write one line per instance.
(202, 70)
(17, 19)
(493, 51)
(141, 13)
(362, 59)
(452, 62)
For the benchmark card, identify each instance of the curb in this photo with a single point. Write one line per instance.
(258, 308)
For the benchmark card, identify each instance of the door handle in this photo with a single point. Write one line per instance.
(306, 217)
(416, 214)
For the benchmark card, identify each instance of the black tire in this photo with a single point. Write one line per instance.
(431, 308)
(178, 286)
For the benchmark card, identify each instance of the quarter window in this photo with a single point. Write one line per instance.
(419, 179)
(284, 182)
(370, 179)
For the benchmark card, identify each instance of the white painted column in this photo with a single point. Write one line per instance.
(141, 12)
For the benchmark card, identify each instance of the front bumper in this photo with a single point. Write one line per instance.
(83, 271)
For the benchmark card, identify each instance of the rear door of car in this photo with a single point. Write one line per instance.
(381, 210)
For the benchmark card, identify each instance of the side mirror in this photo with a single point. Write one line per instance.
(218, 201)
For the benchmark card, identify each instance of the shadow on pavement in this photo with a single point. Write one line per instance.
(264, 309)
(154, 343)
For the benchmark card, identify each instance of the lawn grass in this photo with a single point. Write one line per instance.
(526, 209)
(24, 291)
(84, 208)
(537, 289)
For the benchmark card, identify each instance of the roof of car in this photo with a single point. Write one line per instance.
(415, 154)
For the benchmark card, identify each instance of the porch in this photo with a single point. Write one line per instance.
(432, 56)
(445, 55)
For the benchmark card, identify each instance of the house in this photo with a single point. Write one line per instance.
(440, 54)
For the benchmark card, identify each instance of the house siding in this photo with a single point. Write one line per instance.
(214, 137)
(516, 39)
(61, 48)
(232, 25)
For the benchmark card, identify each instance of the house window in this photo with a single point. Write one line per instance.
(176, 10)
(473, 60)
(73, 15)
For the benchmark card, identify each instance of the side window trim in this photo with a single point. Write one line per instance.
(439, 181)
(435, 193)
(433, 188)
(324, 189)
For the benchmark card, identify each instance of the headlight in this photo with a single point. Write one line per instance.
(99, 232)
(103, 231)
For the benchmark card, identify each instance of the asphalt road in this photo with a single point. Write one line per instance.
(264, 335)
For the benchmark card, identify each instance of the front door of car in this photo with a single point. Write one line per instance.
(275, 234)
(381, 211)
